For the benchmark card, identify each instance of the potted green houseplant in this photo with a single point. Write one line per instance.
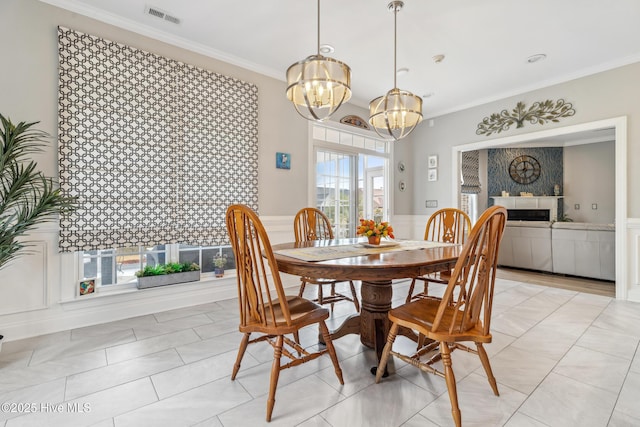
(219, 262)
(27, 197)
(167, 274)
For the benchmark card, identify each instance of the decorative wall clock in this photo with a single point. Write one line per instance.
(524, 169)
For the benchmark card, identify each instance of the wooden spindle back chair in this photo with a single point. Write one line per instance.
(312, 224)
(462, 315)
(264, 307)
(448, 225)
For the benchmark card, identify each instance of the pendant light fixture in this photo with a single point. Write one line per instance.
(398, 112)
(318, 85)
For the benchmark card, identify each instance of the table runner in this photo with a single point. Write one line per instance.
(325, 253)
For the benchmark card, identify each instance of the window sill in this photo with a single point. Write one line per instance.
(133, 293)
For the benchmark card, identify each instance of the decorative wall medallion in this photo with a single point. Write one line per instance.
(355, 121)
(539, 113)
(524, 169)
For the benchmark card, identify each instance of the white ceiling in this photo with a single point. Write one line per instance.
(486, 43)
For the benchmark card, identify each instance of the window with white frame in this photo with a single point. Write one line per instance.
(351, 178)
(154, 150)
(112, 267)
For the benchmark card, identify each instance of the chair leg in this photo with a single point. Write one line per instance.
(241, 350)
(275, 374)
(382, 366)
(451, 383)
(333, 294)
(487, 368)
(355, 296)
(320, 294)
(302, 286)
(410, 294)
(426, 288)
(332, 350)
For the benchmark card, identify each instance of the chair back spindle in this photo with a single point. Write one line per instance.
(448, 225)
(311, 224)
(472, 281)
(254, 260)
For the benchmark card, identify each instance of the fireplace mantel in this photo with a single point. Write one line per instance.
(534, 202)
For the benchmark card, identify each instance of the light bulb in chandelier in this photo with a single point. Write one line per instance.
(395, 114)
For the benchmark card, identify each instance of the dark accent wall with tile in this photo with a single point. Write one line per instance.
(498, 178)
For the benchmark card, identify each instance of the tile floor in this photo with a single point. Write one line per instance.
(561, 358)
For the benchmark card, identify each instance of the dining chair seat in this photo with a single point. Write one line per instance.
(302, 312)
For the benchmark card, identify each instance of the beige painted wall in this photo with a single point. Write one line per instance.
(29, 86)
(44, 300)
(589, 179)
(601, 96)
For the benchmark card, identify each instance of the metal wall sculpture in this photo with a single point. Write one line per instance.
(539, 113)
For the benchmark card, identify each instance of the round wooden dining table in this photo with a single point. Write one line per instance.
(376, 271)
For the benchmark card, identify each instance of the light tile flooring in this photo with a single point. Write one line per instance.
(561, 358)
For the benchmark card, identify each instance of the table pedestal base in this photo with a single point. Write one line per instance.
(373, 322)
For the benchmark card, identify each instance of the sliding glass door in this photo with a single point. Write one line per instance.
(350, 186)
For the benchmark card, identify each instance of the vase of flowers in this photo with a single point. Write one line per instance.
(374, 231)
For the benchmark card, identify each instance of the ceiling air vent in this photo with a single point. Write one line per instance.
(159, 13)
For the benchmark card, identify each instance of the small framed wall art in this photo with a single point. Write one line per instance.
(283, 160)
(87, 286)
(432, 162)
(432, 175)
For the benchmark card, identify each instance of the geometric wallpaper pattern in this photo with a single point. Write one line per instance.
(154, 149)
(551, 171)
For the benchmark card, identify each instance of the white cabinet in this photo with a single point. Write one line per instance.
(535, 202)
(584, 249)
(526, 244)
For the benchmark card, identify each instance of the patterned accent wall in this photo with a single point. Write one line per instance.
(498, 178)
(154, 149)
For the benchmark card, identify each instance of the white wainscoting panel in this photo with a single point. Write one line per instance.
(409, 227)
(633, 259)
(23, 282)
(38, 293)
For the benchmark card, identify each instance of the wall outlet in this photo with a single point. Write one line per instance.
(594, 206)
(431, 204)
(576, 206)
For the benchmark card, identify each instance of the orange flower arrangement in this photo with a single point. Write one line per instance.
(369, 228)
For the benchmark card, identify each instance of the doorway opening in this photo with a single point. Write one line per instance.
(619, 127)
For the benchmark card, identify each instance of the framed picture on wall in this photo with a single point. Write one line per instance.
(87, 286)
(283, 160)
(432, 175)
(433, 161)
